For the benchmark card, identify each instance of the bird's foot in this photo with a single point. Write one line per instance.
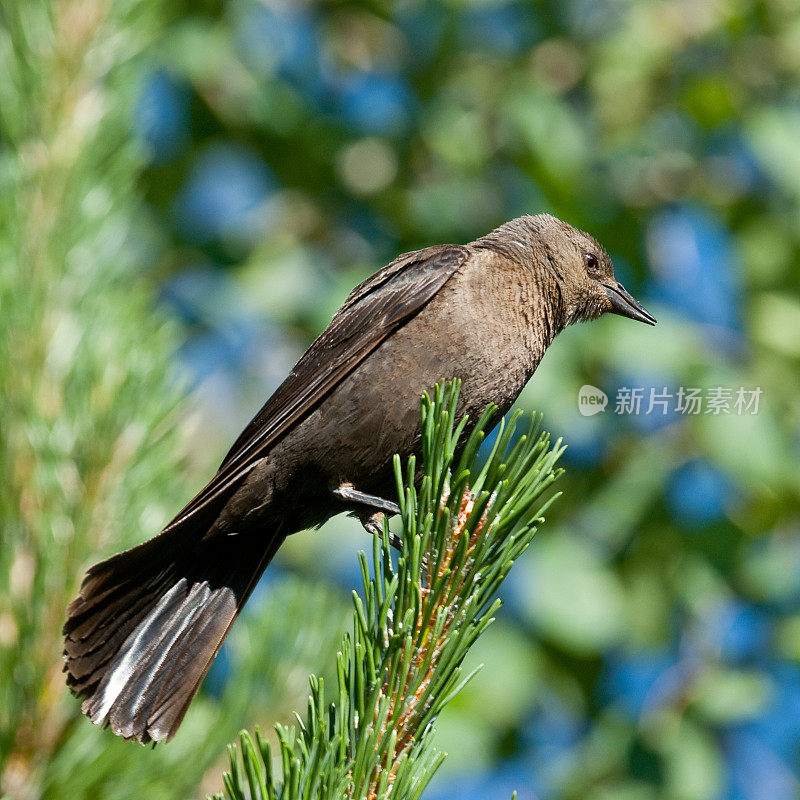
(371, 516)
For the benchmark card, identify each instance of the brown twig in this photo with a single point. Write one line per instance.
(402, 698)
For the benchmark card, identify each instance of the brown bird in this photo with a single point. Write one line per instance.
(147, 623)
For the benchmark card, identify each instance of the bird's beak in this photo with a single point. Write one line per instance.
(623, 304)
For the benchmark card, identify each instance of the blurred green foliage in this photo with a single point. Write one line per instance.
(650, 643)
(90, 453)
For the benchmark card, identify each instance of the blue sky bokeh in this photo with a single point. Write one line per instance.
(295, 148)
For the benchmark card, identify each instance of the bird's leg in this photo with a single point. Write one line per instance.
(375, 508)
(346, 491)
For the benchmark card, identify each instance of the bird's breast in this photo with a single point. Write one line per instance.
(467, 331)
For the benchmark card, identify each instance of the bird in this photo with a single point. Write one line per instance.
(148, 622)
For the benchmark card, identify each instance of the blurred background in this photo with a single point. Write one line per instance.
(247, 162)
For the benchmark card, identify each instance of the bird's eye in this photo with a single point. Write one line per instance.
(591, 262)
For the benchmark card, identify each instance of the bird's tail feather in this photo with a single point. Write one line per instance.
(147, 623)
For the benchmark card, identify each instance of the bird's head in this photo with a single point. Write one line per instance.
(580, 270)
(584, 273)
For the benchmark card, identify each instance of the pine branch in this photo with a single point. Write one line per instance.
(462, 530)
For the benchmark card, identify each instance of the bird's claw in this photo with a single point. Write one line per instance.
(373, 524)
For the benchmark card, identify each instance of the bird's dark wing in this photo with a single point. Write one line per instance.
(372, 312)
